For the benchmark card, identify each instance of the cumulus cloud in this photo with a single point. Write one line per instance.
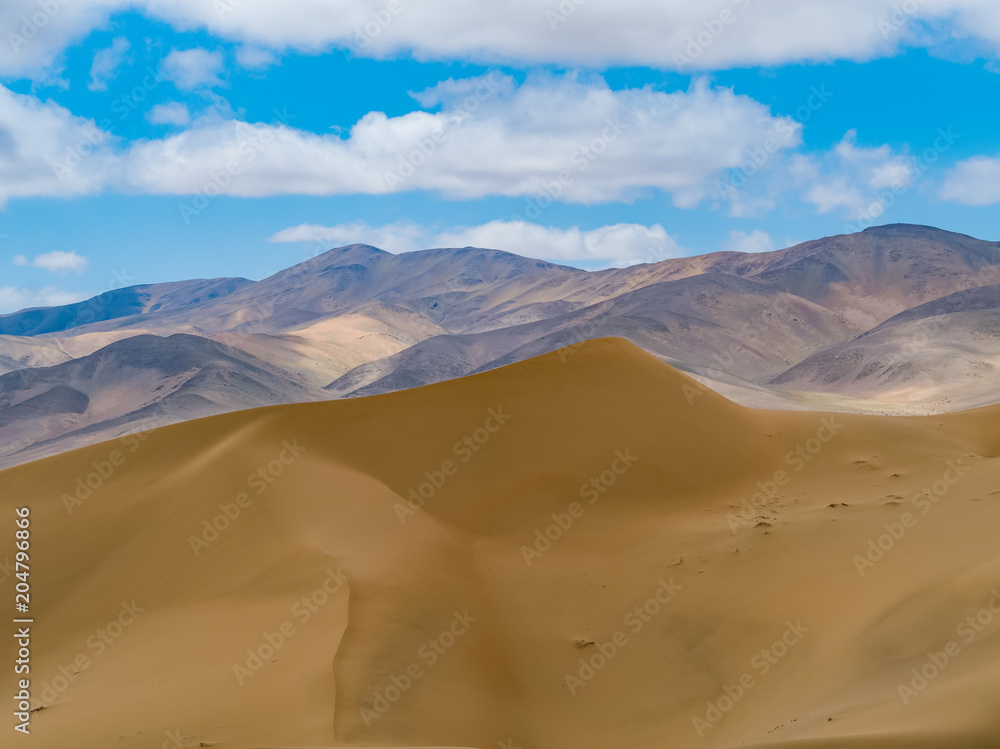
(617, 245)
(47, 151)
(711, 34)
(106, 64)
(860, 181)
(551, 138)
(402, 236)
(169, 113)
(35, 34)
(192, 69)
(55, 262)
(674, 34)
(606, 246)
(755, 241)
(255, 58)
(13, 298)
(975, 181)
(568, 139)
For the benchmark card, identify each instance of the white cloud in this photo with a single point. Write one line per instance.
(975, 181)
(396, 237)
(191, 69)
(711, 34)
(35, 34)
(606, 246)
(549, 139)
(558, 137)
(13, 299)
(755, 241)
(106, 64)
(667, 34)
(456, 89)
(169, 113)
(56, 262)
(617, 245)
(861, 181)
(47, 151)
(255, 58)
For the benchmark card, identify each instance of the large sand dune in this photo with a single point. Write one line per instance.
(584, 549)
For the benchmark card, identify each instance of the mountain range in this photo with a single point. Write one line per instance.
(897, 318)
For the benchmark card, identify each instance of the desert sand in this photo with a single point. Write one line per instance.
(583, 549)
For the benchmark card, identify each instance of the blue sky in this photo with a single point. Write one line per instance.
(145, 140)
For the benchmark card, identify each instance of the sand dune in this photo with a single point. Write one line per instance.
(604, 554)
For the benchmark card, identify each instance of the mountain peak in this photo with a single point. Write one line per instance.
(910, 229)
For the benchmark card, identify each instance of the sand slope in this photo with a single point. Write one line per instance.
(434, 630)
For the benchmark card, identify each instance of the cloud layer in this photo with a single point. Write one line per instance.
(608, 246)
(671, 34)
(551, 138)
(975, 181)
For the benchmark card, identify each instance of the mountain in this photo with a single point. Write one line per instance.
(826, 324)
(450, 287)
(583, 549)
(119, 305)
(945, 352)
(738, 321)
(868, 276)
(697, 322)
(132, 385)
